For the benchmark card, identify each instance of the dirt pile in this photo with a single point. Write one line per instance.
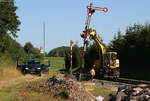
(134, 93)
(68, 89)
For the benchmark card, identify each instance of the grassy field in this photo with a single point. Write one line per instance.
(57, 63)
(16, 87)
(25, 89)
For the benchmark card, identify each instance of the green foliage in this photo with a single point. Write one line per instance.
(58, 52)
(91, 56)
(28, 47)
(67, 61)
(8, 19)
(32, 52)
(76, 58)
(15, 50)
(133, 48)
(8, 27)
(11, 48)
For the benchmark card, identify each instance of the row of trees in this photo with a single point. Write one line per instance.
(10, 48)
(133, 47)
(58, 52)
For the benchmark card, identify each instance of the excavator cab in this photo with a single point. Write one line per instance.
(110, 60)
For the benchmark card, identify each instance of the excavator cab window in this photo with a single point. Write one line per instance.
(106, 60)
(110, 59)
(113, 59)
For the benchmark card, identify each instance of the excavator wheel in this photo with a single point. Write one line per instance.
(116, 73)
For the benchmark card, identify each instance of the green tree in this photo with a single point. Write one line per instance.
(8, 19)
(15, 50)
(76, 58)
(91, 56)
(28, 47)
(36, 53)
(8, 23)
(58, 52)
(32, 52)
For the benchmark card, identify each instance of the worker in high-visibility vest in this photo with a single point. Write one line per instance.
(92, 73)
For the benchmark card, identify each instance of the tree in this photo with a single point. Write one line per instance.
(118, 43)
(91, 56)
(76, 58)
(8, 19)
(32, 52)
(8, 23)
(15, 50)
(133, 51)
(58, 52)
(28, 47)
(133, 47)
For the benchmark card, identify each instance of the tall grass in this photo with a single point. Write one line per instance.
(9, 73)
(5, 62)
(8, 69)
(27, 90)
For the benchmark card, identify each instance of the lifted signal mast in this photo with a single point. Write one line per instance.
(90, 11)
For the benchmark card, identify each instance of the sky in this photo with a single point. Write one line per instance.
(65, 19)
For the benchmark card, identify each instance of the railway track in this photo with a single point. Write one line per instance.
(114, 84)
(120, 80)
(132, 81)
(128, 81)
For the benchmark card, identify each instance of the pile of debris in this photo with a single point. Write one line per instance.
(134, 93)
(67, 88)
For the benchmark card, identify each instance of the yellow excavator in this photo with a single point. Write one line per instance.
(107, 65)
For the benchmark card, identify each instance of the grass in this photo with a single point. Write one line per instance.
(9, 73)
(99, 91)
(26, 88)
(8, 69)
(5, 62)
(26, 91)
(96, 90)
(16, 87)
(57, 63)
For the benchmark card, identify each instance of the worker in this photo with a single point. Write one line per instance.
(92, 73)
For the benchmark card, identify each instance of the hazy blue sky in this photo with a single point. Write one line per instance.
(65, 19)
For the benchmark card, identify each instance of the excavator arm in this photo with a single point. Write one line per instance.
(106, 59)
(101, 47)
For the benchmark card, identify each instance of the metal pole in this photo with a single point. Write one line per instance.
(71, 43)
(44, 38)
